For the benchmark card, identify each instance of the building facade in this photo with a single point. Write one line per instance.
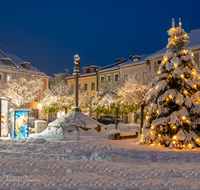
(109, 74)
(58, 78)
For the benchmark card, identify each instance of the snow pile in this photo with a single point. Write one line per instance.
(78, 118)
(123, 127)
(93, 132)
(52, 132)
(57, 133)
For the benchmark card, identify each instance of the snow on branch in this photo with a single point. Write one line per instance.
(21, 88)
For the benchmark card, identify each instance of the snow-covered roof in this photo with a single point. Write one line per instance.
(108, 69)
(112, 66)
(16, 63)
(131, 63)
(85, 74)
(194, 44)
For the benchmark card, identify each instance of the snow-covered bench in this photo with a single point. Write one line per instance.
(116, 134)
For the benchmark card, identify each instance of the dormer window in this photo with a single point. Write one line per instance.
(92, 70)
(25, 66)
(6, 61)
(135, 58)
(84, 71)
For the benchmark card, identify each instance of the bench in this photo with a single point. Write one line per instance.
(116, 134)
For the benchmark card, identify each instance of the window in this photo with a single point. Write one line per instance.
(109, 78)
(196, 59)
(85, 87)
(102, 79)
(84, 71)
(25, 65)
(135, 59)
(93, 86)
(125, 77)
(116, 77)
(0, 77)
(144, 73)
(6, 61)
(92, 70)
(159, 62)
(135, 75)
(36, 99)
(9, 77)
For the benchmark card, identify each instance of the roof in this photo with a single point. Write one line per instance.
(16, 63)
(109, 69)
(194, 44)
(111, 66)
(82, 75)
(131, 63)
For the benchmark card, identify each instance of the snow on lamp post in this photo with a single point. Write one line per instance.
(76, 75)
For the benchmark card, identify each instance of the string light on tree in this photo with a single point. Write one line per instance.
(175, 97)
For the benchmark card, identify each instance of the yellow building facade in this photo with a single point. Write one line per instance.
(88, 81)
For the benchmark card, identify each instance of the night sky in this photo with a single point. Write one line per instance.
(48, 33)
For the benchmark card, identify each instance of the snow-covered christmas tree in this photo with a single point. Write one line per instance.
(174, 98)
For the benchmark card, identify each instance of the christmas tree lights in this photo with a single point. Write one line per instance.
(174, 97)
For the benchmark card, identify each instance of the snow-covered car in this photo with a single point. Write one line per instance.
(108, 119)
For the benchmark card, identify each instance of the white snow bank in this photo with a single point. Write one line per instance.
(52, 132)
(57, 133)
(78, 118)
(123, 127)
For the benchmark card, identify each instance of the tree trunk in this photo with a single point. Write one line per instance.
(47, 115)
(90, 111)
(65, 110)
(142, 115)
(116, 118)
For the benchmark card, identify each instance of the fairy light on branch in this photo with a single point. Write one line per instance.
(183, 118)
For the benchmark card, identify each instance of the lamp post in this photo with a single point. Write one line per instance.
(76, 75)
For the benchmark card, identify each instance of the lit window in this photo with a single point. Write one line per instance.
(8, 77)
(135, 59)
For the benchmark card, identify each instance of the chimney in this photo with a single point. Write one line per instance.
(117, 60)
(67, 71)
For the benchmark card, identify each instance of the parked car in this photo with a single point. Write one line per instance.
(108, 119)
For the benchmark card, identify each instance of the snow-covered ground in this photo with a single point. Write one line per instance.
(94, 162)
